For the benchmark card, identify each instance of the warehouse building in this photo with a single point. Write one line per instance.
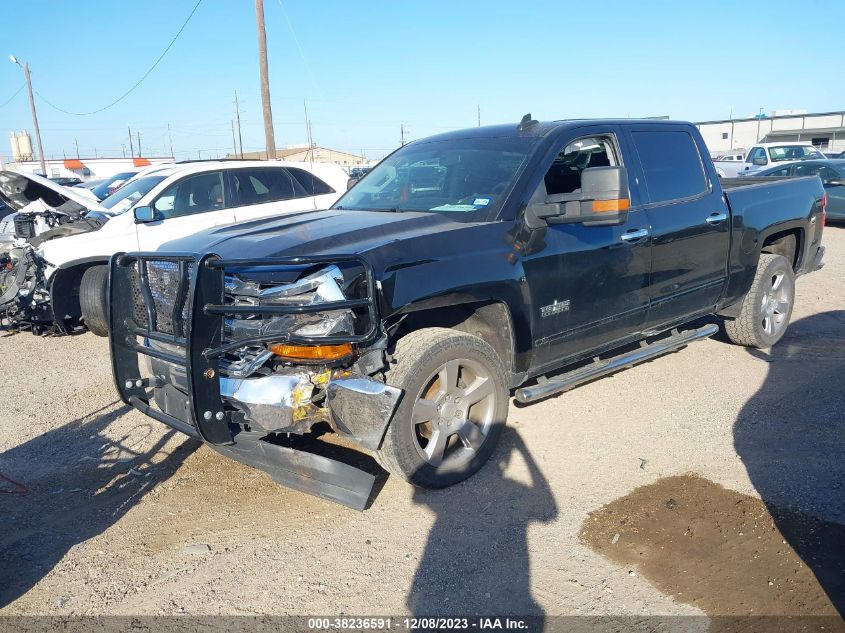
(825, 130)
(304, 153)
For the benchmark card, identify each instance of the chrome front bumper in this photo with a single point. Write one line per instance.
(356, 407)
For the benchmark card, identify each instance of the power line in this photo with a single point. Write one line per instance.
(9, 100)
(138, 83)
(299, 46)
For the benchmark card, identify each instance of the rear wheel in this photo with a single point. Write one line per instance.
(93, 299)
(767, 307)
(453, 410)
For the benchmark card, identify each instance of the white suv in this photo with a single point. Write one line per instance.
(60, 276)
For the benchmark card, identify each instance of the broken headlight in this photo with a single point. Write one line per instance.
(324, 286)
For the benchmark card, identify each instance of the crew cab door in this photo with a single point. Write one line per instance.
(262, 192)
(589, 285)
(690, 223)
(193, 203)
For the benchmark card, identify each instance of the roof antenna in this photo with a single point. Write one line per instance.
(526, 123)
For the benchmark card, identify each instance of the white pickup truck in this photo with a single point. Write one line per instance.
(763, 155)
(55, 273)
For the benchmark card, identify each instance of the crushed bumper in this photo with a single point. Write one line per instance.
(235, 415)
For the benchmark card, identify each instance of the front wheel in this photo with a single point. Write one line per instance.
(767, 307)
(453, 409)
(93, 299)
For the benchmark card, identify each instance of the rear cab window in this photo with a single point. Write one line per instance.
(671, 164)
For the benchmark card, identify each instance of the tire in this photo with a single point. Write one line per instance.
(767, 307)
(432, 366)
(93, 299)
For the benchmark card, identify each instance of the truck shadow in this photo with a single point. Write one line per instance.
(791, 438)
(476, 557)
(78, 483)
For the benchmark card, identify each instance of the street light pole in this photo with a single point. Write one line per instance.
(25, 68)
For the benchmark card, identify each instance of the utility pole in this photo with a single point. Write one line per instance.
(26, 75)
(265, 82)
(139, 143)
(131, 144)
(170, 140)
(238, 117)
(308, 132)
(76, 142)
(234, 142)
(402, 134)
(479, 115)
(123, 147)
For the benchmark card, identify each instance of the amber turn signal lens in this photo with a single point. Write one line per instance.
(312, 352)
(604, 206)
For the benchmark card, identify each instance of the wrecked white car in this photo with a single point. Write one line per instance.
(56, 273)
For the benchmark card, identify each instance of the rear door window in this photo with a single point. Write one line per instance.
(671, 164)
(311, 185)
(260, 185)
(823, 172)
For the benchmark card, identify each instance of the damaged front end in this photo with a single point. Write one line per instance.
(24, 292)
(240, 352)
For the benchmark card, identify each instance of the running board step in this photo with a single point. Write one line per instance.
(607, 366)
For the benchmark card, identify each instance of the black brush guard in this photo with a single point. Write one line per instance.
(196, 322)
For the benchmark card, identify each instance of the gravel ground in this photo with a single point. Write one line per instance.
(122, 516)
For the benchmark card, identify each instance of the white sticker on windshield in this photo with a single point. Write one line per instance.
(481, 202)
(453, 207)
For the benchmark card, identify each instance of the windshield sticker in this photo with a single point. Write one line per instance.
(454, 207)
(481, 202)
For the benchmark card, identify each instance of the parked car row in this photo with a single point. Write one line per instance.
(831, 173)
(763, 155)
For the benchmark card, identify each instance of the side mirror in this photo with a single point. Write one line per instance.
(351, 183)
(760, 161)
(603, 200)
(144, 214)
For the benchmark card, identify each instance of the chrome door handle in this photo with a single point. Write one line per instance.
(635, 235)
(716, 218)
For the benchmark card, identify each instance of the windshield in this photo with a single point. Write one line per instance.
(109, 185)
(793, 152)
(467, 179)
(123, 199)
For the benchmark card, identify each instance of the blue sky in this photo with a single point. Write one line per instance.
(366, 67)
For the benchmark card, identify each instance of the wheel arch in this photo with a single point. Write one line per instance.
(491, 320)
(64, 287)
(787, 242)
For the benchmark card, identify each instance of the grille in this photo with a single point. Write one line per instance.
(164, 283)
(25, 227)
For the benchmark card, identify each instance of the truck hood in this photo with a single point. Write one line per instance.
(19, 190)
(315, 233)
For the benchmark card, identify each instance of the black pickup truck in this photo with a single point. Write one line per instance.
(516, 259)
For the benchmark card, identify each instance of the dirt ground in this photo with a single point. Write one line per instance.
(720, 469)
